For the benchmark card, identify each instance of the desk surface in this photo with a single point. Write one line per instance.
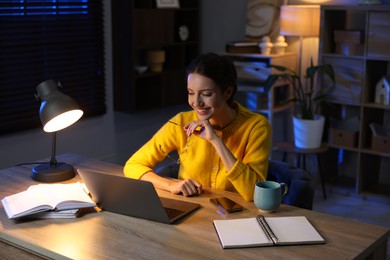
(106, 235)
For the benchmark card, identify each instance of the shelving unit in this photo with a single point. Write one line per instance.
(358, 70)
(138, 26)
(252, 71)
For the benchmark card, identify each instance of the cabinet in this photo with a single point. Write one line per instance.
(358, 67)
(252, 71)
(139, 27)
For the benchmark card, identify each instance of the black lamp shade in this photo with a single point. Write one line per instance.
(57, 110)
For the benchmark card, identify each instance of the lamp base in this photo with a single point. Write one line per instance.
(46, 173)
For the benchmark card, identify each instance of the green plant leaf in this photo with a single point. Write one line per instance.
(328, 70)
(305, 100)
(270, 81)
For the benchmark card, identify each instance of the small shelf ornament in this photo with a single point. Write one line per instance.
(184, 33)
(280, 45)
(266, 45)
(382, 92)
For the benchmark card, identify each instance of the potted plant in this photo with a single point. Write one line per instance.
(306, 99)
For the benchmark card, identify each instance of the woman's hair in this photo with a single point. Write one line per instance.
(217, 68)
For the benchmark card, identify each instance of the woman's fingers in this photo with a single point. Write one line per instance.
(188, 187)
(195, 126)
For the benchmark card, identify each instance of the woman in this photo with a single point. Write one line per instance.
(220, 143)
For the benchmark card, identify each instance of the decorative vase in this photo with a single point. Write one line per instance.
(266, 45)
(308, 133)
(280, 45)
(156, 60)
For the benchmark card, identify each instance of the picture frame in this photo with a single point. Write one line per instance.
(167, 3)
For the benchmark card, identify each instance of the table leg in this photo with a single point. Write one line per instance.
(321, 177)
(298, 164)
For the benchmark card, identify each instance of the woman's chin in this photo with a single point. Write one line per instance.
(205, 116)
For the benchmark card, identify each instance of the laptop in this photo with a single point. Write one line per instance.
(133, 197)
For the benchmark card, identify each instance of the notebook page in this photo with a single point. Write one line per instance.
(294, 230)
(245, 232)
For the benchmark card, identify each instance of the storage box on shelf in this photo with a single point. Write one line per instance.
(380, 144)
(344, 133)
(357, 75)
(349, 42)
(252, 71)
(140, 28)
(380, 138)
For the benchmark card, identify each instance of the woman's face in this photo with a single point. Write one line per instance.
(205, 97)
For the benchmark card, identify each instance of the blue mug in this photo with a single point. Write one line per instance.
(269, 195)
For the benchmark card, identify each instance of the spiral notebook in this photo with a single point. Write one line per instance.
(266, 231)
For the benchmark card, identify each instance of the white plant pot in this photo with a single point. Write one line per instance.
(308, 133)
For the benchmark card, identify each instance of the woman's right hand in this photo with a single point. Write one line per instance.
(188, 187)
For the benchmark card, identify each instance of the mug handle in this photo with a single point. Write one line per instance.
(284, 190)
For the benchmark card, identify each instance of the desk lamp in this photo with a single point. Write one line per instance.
(57, 112)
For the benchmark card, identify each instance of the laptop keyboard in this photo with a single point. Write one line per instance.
(172, 213)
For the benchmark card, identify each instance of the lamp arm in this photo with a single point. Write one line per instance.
(53, 160)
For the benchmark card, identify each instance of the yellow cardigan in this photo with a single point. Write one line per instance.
(248, 137)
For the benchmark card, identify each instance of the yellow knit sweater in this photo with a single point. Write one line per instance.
(248, 137)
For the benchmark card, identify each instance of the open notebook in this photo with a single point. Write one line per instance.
(266, 231)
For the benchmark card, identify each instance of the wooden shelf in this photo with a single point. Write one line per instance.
(252, 72)
(138, 27)
(354, 94)
(375, 105)
(335, 55)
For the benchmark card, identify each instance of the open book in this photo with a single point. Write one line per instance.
(266, 231)
(47, 197)
(69, 213)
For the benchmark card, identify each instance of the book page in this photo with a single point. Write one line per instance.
(245, 232)
(67, 196)
(294, 230)
(44, 197)
(26, 202)
(70, 213)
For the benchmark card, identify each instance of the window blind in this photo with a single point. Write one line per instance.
(52, 39)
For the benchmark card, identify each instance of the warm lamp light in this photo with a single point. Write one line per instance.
(300, 20)
(57, 112)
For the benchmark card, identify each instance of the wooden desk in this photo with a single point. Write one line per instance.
(107, 235)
